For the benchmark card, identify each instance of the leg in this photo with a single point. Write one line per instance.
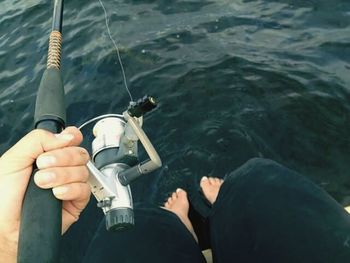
(267, 213)
(179, 205)
(158, 236)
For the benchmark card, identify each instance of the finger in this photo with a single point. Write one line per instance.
(69, 156)
(77, 192)
(38, 141)
(53, 177)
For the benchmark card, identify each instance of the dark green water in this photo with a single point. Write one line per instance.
(235, 80)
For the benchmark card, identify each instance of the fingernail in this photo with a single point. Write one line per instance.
(65, 136)
(45, 161)
(204, 178)
(60, 190)
(44, 178)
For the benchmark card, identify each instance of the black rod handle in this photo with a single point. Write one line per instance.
(41, 222)
(40, 229)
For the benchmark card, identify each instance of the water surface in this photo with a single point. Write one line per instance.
(234, 79)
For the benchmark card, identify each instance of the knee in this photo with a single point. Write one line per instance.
(259, 163)
(259, 168)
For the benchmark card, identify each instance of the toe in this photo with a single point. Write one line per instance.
(174, 196)
(181, 193)
(178, 190)
(204, 181)
(217, 180)
(212, 180)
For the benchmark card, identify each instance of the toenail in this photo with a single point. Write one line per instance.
(204, 178)
(178, 190)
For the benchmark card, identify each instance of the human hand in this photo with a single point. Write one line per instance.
(62, 167)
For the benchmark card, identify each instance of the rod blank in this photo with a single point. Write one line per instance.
(57, 16)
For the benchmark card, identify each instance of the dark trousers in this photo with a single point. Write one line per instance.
(264, 213)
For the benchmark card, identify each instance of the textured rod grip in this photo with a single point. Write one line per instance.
(55, 46)
(41, 221)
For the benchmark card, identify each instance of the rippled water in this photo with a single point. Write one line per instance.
(235, 80)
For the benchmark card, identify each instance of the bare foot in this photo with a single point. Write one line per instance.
(211, 187)
(179, 205)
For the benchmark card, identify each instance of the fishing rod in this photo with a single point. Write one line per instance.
(114, 165)
(41, 219)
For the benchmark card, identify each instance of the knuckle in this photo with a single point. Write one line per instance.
(80, 191)
(87, 190)
(61, 175)
(85, 174)
(84, 153)
(70, 155)
(40, 133)
(71, 128)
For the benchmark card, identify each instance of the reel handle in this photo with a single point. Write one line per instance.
(142, 106)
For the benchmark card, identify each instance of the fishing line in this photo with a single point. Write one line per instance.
(116, 49)
(120, 116)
